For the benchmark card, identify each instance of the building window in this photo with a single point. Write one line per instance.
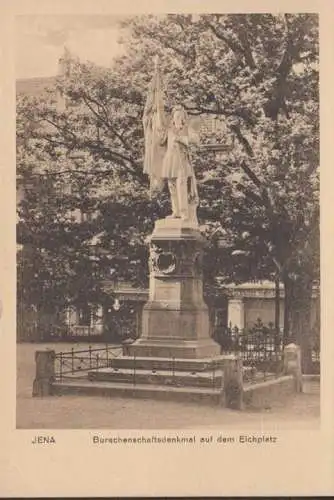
(84, 316)
(85, 216)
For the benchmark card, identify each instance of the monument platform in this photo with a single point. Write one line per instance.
(207, 372)
(175, 358)
(180, 349)
(201, 381)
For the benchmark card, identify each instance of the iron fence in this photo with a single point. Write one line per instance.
(253, 346)
(261, 347)
(77, 363)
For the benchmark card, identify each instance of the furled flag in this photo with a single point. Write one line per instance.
(154, 123)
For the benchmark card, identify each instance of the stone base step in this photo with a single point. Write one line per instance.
(144, 391)
(158, 364)
(208, 379)
(162, 348)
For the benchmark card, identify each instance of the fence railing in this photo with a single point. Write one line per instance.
(261, 347)
(76, 363)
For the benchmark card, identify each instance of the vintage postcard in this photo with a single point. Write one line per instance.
(166, 249)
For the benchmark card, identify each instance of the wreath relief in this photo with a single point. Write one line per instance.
(161, 261)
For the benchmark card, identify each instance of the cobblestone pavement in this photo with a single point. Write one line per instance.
(300, 411)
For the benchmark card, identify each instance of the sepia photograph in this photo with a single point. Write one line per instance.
(166, 249)
(168, 221)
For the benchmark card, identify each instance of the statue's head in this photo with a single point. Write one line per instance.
(179, 116)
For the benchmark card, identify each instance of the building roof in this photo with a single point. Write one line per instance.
(34, 86)
(259, 289)
(265, 284)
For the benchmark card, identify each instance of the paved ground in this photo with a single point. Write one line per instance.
(301, 411)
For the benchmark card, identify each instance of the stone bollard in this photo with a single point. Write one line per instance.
(232, 390)
(292, 365)
(45, 371)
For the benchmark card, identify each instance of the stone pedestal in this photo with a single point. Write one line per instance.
(175, 318)
(45, 372)
(292, 365)
(233, 382)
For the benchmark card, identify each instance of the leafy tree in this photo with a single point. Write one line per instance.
(258, 75)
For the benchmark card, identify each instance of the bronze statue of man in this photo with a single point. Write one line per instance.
(167, 155)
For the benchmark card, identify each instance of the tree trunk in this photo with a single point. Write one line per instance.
(277, 312)
(288, 290)
(298, 303)
(301, 320)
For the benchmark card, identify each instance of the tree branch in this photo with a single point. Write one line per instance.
(264, 196)
(219, 111)
(237, 49)
(242, 49)
(94, 147)
(105, 121)
(247, 48)
(292, 48)
(68, 171)
(243, 141)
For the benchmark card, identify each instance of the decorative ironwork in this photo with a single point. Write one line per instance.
(260, 348)
(77, 364)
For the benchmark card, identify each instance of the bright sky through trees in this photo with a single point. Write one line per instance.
(40, 41)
